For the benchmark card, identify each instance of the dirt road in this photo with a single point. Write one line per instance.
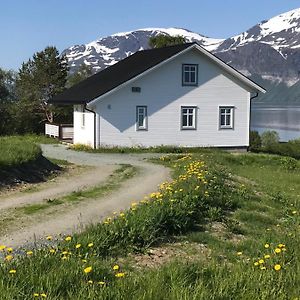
(87, 212)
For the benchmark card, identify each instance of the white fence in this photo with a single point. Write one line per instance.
(60, 131)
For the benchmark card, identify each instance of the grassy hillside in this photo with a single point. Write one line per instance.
(245, 216)
(21, 160)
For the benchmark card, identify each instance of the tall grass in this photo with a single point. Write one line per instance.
(16, 150)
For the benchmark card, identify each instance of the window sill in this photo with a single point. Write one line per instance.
(188, 128)
(189, 84)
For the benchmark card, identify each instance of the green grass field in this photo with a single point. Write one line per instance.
(254, 254)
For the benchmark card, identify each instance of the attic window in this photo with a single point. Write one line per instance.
(189, 75)
(136, 89)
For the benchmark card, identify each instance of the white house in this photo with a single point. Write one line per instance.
(179, 95)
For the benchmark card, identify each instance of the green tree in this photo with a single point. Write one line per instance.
(269, 139)
(6, 99)
(38, 80)
(84, 71)
(163, 40)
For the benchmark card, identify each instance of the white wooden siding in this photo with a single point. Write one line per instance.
(83, 135)
(163, 94)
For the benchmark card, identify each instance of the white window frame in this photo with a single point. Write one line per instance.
(222, 111)
(143, 109)
(189, 68)
(193, 126)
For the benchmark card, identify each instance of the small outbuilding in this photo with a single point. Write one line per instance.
(180, 95)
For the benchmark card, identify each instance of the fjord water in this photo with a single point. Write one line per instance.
(285, 119)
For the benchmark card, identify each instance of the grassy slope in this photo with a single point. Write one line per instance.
(267, 193)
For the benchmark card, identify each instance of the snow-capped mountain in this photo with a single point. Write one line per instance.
(270, 50)
(109, 50)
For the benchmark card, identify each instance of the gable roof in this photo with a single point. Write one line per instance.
(129, 68)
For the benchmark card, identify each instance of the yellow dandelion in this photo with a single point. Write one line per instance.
(256, 263)
(9, 249)
(2, 247)
(90, 245)
(119, 275)
(68, 238)
(88, 270)
(267, 256)
(29, 252)
(281, 245)
(13, 271)
(64, 258)
(294, 212)
(261, 261)
(267, 246)
(84, 260)
(78, 246)
(9, 257)
(277, 250)
(43, 295)
(263, 268)
(49, 238)
(36, 295)
(239, 253)
(101, 282)
(90, 281)
(277, 267)
(65, 252)
(116, 267)
(52, 251)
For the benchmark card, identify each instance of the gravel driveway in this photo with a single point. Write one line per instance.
(95, 210)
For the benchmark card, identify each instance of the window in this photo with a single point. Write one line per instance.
(82, 116)
(141, 118)
(188, 117)
(189, 74)
(226, 117)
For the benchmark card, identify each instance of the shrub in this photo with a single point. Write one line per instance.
(269, 139)
(255, 141)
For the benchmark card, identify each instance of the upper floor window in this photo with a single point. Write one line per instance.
(141, 118)
(188, 117)
(226, 117)
(190, 74)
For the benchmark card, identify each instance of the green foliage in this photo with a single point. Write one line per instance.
(38, 80)
(255, 141)
(269, 139)
(83, 72)
(15, 151)
(162, 40)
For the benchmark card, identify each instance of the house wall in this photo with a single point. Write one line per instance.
(83, 134)
(163, 94)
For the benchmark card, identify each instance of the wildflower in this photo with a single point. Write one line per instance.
(2, 247)
(88, 270)
(116, 267)
(68, 238)
(267, 246)
(29, 252)
(281, 245)
(65, 252)
(239, 253)
(119, 275)
(52, 251)
(9, 257)
(90, 245)
(277, 267)
(277, 250)
(84, 260)
(267, 256)
(263, 268)
(294, 212)
(101, 282)
(43, 295)
(122, 215)
(261, 261)
(78, 246)
(9, 249)
(64, 257)
(90, 281)
(256, 263)
(13, 271)
(49, 238)
(36, 294)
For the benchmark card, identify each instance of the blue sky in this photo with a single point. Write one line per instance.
(27, 26)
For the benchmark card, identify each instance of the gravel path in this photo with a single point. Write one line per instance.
(93, 211)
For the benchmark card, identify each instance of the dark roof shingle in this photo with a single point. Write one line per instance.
(111, 77)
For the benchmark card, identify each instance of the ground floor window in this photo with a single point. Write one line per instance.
(141, 118)
(226, 117)
(188, 117)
